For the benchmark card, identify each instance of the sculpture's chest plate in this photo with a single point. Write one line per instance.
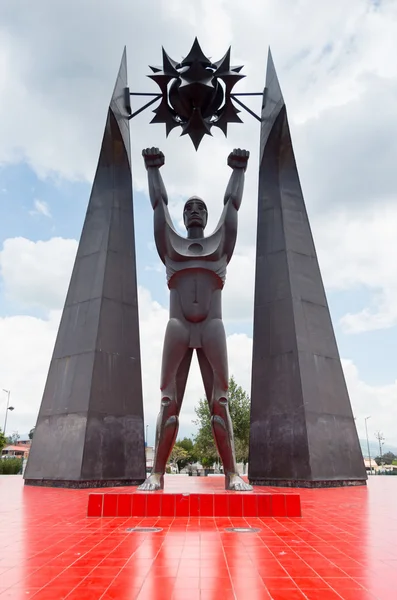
(204, 254)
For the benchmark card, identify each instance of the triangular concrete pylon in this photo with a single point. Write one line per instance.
(90, 429)
(302, 427)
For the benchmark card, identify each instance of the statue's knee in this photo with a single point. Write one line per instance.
(219, 406)
(169, 406)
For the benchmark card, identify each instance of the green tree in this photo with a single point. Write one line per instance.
(3, 440)
(239, 406)
(204, 441)
(242, 451)
(31, 433)
(386, 459)
(178, 455)
(13, 438)
(188, 445)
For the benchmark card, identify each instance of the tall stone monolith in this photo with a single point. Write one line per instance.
(90, 429)
(302, 427)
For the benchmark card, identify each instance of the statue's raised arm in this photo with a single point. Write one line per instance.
(154, 160)
(238, 161)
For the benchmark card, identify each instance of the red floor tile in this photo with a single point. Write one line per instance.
(264, 505)
(95, 502)
(195, 505)
(250, 505)
(289, 595)
(168, 505)
(124, 505)
(138, 505)
(293, 505)
(153, 505)
(279, 508)
(109, 505)
(207, 505)
(321, 594)
(183, 594)
(118, 592)
(221, 505)
(235, 508)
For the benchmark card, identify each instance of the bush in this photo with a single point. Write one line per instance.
(10, 466)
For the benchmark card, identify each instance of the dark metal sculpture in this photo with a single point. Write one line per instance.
(302, 427)
(196, 270)
(196, 93)
(90, 429)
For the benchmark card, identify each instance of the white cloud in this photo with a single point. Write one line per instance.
(40, 208)
(25, 352)
(36, 274)
(378, 402)
(357, 252)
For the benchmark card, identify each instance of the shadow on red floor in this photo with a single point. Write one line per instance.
(343, 546)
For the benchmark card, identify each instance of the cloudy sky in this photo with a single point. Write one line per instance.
(337, 68)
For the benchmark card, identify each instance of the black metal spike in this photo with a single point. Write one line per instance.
(196, 128)
(230, 79)
(196, 54)
(228, 114)
(170, 125)
(161, 79)
(162, 112)
(169, 65)
(223, 65)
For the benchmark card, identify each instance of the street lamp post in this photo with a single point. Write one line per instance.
(369, 454)
(7, 409)
(380, 437)
(147, 427)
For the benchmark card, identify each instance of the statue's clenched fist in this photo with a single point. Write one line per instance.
(238, 159)
(153, 157)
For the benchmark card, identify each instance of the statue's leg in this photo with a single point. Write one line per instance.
(174, 371)
(213, 357)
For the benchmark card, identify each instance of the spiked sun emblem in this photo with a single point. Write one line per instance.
(196, 94)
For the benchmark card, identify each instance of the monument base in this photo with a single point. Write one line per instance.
(185, 496)
(307, 484)
(79, 484)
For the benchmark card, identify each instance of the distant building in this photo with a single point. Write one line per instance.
(25, 443)
(15, 451)
(370, 466)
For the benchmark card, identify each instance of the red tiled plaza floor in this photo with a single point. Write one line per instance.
(343, 546)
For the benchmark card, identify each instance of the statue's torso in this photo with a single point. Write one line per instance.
(196, 269)
(196, 272)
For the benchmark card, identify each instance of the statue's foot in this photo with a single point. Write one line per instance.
(236, 484)
(154, 482)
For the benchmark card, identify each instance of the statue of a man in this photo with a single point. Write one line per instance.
(196, 271)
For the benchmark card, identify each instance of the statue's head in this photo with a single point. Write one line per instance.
(195, 213)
